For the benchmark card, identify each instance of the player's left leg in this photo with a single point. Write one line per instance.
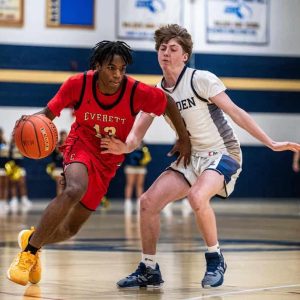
(69, 227)
(199, 196)
(53, 216)
(74, 220)
(208, 185)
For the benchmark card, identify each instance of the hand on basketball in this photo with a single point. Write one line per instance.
(184, 150)
(23, 117)
(35, 136)
(284, 146)
(113, 146)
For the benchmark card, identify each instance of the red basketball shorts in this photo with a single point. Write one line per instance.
(100, 171)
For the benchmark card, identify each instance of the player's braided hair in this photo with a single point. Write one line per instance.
(104, 51)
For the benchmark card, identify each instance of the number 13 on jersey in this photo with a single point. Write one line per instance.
(111, 131)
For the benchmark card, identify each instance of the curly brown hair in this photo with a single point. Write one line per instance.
(174, 31)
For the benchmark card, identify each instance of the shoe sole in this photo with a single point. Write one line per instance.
(219, 283)
(157, 286)
(15, 281)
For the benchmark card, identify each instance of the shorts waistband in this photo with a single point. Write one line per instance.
(205, 153)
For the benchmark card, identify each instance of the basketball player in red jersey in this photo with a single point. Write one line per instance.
(106, 103)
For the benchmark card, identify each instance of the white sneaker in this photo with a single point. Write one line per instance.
(13, 205)
(4, 207)
(26, 202)
(186, 207)
(128, 207)
(167, 210)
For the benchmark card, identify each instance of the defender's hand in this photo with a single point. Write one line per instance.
(113, 145)
(283, 146)
(183, 147)
(296, 167)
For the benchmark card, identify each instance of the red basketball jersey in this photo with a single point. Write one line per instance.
(98, 115)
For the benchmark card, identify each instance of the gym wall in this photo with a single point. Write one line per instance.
(262, 79)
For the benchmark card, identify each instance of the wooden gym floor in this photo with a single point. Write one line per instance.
(260, 241)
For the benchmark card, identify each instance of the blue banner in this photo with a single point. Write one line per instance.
(69, 13)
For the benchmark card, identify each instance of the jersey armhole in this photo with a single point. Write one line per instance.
(77, 105)
(194, 90)
(132, 98)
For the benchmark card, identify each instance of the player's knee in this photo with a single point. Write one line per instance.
(197, 200)
(74, 193)
(147, 204)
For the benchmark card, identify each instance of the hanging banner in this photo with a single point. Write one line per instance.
(138, 19)
(69, 13)
(237, 21)
(11, 13)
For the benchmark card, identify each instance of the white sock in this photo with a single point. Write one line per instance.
(215, 248)
(2, 202)
(149, 260)
(14, 199)
(128, 199)
(24, 198)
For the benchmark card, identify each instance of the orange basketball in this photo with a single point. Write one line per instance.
(36, 136)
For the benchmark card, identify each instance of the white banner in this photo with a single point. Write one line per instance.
(237, 21)
(11, 12)
(138, 19)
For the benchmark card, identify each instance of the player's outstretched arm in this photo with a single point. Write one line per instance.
(245, 121)
(115, 146)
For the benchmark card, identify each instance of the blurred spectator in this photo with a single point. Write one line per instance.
(4, 208)
(17, 179)
(135, 172)
(55, 168)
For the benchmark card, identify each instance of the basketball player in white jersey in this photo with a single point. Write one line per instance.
(215, 162)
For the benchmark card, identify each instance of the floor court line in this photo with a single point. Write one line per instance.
(245, 291)
(109, 246)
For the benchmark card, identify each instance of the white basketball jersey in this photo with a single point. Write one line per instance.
(206, 123)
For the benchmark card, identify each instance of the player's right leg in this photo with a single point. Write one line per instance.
(168, 187)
